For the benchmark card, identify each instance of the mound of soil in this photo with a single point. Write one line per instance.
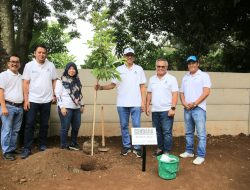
(227, 166)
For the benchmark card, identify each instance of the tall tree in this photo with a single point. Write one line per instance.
(191, 27)
(28, 16)
(25, 28)
(6, 26)
(3, 57)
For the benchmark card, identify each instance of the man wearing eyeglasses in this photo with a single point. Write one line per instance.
(130, 98)
(11, 109)
(195, 88)
(162, 93)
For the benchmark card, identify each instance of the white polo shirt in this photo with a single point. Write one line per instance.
(161, 91)
(192, 87)
(13, 86)
(63, 97)
(128, 89)
(40, 77)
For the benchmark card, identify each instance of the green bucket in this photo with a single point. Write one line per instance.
(168, 170)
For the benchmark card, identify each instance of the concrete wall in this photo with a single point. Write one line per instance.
(228, 110)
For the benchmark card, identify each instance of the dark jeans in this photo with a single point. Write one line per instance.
(44, 110)
(163, 124)
(72, 118)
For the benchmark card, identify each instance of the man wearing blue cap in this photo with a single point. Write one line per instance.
(131, 94)
(194, 90)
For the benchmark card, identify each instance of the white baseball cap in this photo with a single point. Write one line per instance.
(128, 50)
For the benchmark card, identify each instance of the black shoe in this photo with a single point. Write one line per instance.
(42, 148)
(74, 147)
(125, 151)
(9, 156)
(138, 153)
(65, 147)
(25, 153)
(157, 153)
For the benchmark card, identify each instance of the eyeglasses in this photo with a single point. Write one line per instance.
(159, 66)
(14, 61)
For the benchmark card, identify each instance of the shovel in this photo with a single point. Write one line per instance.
(103, 148)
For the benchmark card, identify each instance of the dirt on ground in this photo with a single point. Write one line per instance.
(227, 166)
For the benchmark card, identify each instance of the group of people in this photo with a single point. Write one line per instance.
(39, 87)
(161, 99)
(34, 92)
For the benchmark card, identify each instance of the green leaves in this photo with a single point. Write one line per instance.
(102, 59)
(53, 37)
(61, 59)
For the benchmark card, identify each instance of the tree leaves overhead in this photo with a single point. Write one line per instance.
(195, 24)
(214, 30)
(53, 37)
(198, 27)
(62, 7)
(31, 16)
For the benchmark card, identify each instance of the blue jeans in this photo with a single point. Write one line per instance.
(72, 118)
(124, 114)
(163, 124)
(11, 125)
(30, 123)
(195, 118)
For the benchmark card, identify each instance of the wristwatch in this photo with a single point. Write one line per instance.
(173, 108)
(195, 105)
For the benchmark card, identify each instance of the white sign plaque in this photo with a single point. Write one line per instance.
(144, 136)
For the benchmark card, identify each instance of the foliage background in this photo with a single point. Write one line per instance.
(216, 31)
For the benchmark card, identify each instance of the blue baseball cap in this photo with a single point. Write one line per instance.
(192, 58)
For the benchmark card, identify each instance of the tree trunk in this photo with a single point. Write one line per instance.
(6, 26)
(3, 57)
(25, 31)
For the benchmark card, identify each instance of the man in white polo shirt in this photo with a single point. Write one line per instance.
(195, 88)
(130, 98)
(163, 94)
(11, 109)
(39, 79)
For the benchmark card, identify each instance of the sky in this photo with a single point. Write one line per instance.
(78, 46)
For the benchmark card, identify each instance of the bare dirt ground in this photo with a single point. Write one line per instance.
(227, 167)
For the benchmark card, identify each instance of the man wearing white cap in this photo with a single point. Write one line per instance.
(195, 88)
(130, 98)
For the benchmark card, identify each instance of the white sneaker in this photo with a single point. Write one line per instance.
(186, 155)
(198, 160)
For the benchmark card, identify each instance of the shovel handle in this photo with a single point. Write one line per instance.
(93, 124)
(102, 125)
